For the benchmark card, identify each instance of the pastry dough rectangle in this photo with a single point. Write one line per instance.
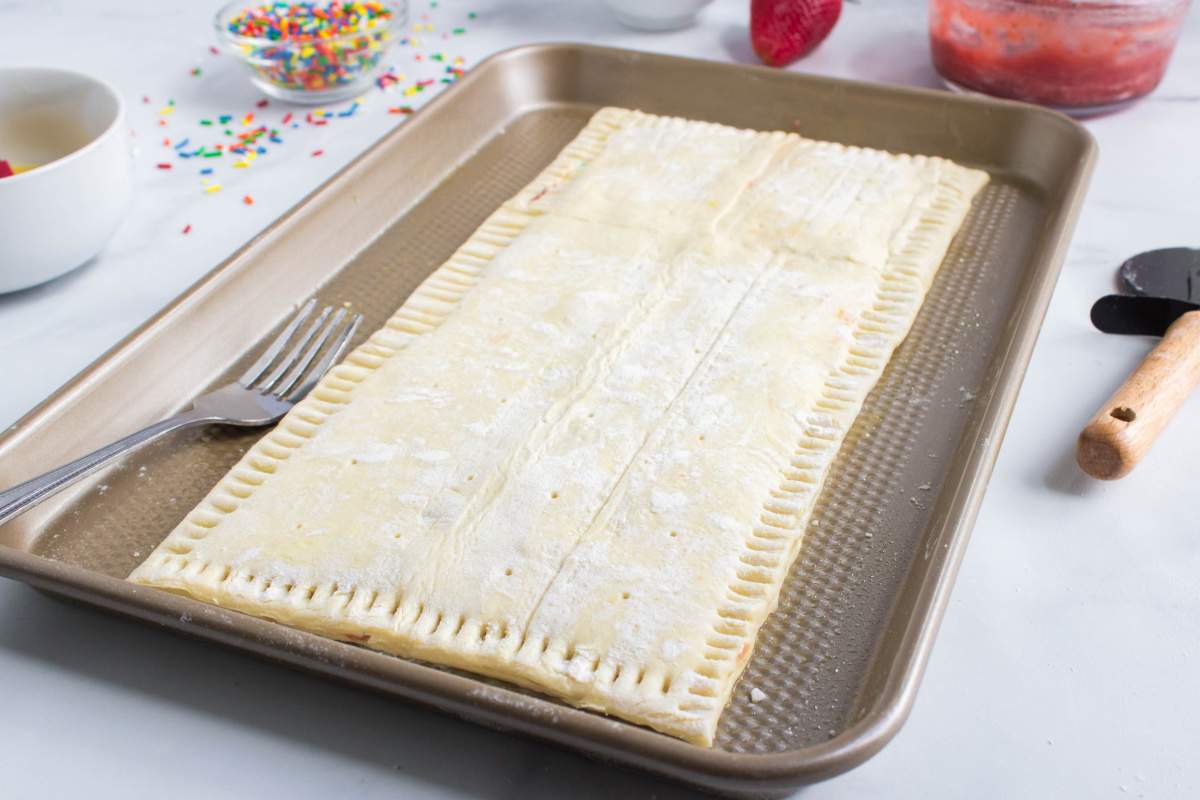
(581, 456)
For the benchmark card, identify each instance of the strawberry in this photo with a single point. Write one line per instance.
(784, 30)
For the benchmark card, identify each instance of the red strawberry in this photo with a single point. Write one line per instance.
(784, 30)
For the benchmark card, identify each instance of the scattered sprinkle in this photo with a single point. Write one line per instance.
(246, 138)
(214, 50)
(187, 229)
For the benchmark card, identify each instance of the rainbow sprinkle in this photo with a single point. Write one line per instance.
(312, 46)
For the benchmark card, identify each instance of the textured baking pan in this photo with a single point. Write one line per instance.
(840, 660)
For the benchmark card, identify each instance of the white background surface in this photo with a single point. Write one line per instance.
(1067, 661)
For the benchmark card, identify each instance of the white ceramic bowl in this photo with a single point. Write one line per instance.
(56, 216)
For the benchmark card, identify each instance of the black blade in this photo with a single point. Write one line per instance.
(1170, 272)
(1139, 316)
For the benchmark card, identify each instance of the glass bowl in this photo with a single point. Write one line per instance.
(301, 68)
(1079, 56)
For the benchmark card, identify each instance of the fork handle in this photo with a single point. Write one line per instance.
(20, 498)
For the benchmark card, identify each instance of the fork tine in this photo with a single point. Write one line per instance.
(331, 357)
(286, 362)
(260, 366)
(298, 368)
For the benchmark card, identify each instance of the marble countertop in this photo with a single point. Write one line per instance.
(1071, 642)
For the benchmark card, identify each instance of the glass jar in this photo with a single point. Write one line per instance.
(302, 64)
(1081, 56)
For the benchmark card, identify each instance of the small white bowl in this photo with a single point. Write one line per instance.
(59, 214)
(657, 15)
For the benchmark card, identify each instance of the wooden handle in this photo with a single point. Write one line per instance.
(1124, 428)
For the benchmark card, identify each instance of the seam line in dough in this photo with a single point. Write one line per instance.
(701, 367)
(599, 364)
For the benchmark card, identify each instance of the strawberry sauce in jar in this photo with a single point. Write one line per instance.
(1076, 55)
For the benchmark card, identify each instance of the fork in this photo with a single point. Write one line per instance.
(261, 396)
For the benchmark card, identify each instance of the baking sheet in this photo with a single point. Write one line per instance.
(840, 659)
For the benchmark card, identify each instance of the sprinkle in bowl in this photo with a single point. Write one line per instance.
(315, 51)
